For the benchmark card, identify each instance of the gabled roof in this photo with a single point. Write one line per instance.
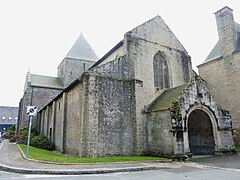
(214, 54)
(165, 100)
(216, 51)
(118, 45)
(81, 49)
(45, 81)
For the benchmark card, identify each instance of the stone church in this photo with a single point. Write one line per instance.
(142, 97)
(40, 89)
(221, 69)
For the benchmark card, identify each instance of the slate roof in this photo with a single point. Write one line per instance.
(118, 45)
(8, 115)
(165, 100)
(45, 81)
(81, 49)
(216, 51)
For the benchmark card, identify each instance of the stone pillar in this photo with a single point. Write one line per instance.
(140, 136)
(54, 121)
(64, 123)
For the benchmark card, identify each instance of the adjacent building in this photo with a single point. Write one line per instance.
(221, 69)
(8, 117)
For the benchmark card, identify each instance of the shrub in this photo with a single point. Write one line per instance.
(14, 138)
(24, 130)
(23, 137)
(10, 132)
(42, 142)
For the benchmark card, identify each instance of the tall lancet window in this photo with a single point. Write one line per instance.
(161, 71)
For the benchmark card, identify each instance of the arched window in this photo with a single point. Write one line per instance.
(161, 71)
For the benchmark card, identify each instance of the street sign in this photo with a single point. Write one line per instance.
(31, 110)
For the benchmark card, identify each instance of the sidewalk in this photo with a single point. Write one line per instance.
(11, 160)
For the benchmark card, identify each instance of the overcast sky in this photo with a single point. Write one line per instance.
(37, 34)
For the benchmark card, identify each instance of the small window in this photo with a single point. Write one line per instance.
(84, 67)
(238, 42)
(59, 106)
(16, 118)
(9, 118)
(3, 118)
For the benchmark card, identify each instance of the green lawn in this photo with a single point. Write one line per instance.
(237, 146)
(50, 156)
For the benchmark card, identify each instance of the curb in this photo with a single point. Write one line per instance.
(60, 163)
(77, 172)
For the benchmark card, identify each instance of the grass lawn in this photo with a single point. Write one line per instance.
(237, 146)
(50, 156)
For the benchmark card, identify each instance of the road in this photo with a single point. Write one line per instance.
(183, 173)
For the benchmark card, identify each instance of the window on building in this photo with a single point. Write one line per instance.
(238, 42)
(84, 67)
(161, 71)
(3, 118)
(16, 118)
(9, 118)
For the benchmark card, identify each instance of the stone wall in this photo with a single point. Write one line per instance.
(22, 115)
(118, 68)
(74, 121)
(159, 136)
(142, 43)
(221, 77)
(93, 118)
(34, 96)
(58, 126)
(70, 69)
(115, 125)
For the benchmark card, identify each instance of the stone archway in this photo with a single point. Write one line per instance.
(200, 133)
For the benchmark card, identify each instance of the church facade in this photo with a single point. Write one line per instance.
(142, 97)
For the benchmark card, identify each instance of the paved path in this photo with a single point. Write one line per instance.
(11, 160)
(225, 162)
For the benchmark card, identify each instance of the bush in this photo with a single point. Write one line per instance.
(10, 132)
(24, 130)
(42, 142)
(23, 137)
(14, 138)
(39, 141)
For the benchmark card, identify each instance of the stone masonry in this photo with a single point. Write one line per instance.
(113, 108)
(221, 69)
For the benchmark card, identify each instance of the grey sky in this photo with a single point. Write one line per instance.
(37, 34)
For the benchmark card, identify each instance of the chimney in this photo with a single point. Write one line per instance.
(226, 30)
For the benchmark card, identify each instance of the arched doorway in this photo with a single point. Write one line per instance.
(200, 133)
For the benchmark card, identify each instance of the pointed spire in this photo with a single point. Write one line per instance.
(81, 49)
